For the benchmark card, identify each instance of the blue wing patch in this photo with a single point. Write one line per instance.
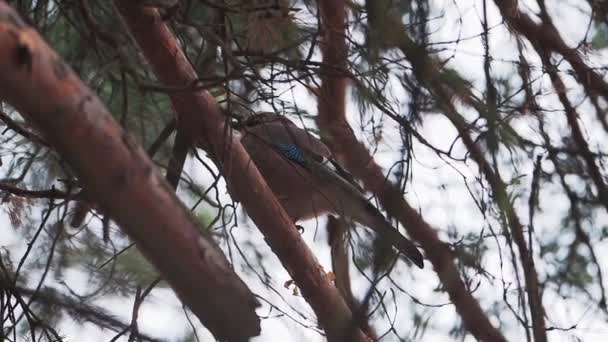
(292, 152)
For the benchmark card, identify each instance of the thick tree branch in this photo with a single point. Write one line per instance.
(199, 117)
(577, 134)
(340, 137)
(334, 87)
(118, 174)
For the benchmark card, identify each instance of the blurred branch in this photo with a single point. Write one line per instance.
(333, 49)
(11, 124)
(338, 238)
(340, 137)
(428, 74)
(177, 160)
(117, 172)
(51, 193)
(162, 138)
(575, 129)
(546, 36)
(504, 203)
(203, 125)
(79, 310)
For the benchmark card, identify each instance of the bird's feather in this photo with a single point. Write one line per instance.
(322, 184)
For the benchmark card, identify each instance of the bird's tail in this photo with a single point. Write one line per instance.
(372, 218)
(347, 197)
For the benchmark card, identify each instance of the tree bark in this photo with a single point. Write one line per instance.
(199, 117)
(340, 138)
(118, 174)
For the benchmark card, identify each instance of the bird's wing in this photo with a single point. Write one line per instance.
(297, 144)
(327, 169)
(303, 149)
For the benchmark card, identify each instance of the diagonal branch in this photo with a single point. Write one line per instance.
(10, 123)
(119, 175)
(340, 137)
(499, 189)
(427, 72)
(546, 36)
(199, 117)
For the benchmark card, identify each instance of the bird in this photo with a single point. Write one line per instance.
(308, 181)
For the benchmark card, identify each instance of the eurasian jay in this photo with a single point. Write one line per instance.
(308, 182)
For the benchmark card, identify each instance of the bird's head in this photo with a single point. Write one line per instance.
(261, 118)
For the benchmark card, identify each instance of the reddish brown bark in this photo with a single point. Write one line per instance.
(339, 136)
(118, 174)
(199, 116)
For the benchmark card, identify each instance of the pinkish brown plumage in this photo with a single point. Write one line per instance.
(300, 170)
